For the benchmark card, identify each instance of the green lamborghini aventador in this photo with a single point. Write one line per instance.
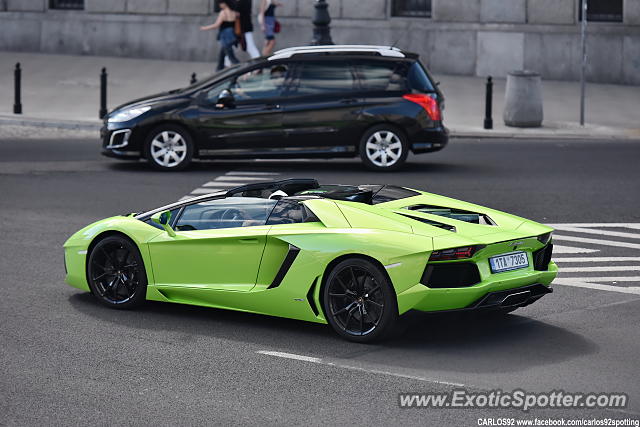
(355, 257)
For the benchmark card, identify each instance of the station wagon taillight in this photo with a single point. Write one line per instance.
(429, 103)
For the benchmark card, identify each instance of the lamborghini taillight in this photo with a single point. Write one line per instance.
(545, 238)
(462, 252)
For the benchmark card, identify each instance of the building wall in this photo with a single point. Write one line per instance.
(468, 37)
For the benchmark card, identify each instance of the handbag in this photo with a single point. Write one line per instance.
(276, 27)
(237, 27)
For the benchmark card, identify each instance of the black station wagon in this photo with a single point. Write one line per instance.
(375, 102)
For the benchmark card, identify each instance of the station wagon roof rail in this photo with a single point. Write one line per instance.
(301, 50)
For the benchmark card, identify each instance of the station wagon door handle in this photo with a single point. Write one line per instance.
(348, 101)
(272, 107)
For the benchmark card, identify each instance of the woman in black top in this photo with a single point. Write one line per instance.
(226, 35)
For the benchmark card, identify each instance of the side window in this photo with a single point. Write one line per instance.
(290, 212)
(382, 76)
(314, 78)
(225, 213)
(214, 92)
(419, 78)
(261, 83)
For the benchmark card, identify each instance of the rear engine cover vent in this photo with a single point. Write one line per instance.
(430, 222)
(460, 215)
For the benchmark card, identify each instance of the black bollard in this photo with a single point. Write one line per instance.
(194, 79)
(321, 21)
(17, 79)
(488, 120)
(103, 93)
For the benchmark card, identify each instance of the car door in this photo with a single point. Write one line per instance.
(253, 122)
(322, 107)
(289, 220)
(218, 246)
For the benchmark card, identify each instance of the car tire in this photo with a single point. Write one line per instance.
(383, 148)
(116, 273)
(169, 148)
(359, 301)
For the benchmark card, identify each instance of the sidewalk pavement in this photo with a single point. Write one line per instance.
(64, 91)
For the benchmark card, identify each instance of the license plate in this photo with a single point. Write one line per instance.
(507, 262)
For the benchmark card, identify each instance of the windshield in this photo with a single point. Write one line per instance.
(219, 75)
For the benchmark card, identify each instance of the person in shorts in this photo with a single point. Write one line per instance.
(267, 18)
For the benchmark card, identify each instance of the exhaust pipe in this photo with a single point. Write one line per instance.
(516, 299)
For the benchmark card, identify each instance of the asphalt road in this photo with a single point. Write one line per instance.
(64, 359)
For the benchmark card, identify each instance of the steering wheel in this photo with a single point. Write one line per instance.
(234, 214)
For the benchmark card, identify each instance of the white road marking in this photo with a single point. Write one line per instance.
(559, 249)
(595, 269)
(206, 190)
(603, 278)
(569, 265)
(356, 368)
(633, 225)
(239, 178)
(247, 173)
(291, 356)
(229, 180)
(575, 282)
(223, 184)
(597, 259)
(596, 241)
(600, 232)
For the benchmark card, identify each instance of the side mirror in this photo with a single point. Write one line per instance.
(163, 219)
(225, 99)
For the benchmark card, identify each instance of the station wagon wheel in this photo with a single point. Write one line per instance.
(116, 273)
(383, 147)
(169, 147)
(359, 301)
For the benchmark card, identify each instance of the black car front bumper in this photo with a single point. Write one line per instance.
(117, 143)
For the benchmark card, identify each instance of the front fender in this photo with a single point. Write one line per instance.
(76, 248)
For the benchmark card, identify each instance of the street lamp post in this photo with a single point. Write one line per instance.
(583, 67)
(321, 21)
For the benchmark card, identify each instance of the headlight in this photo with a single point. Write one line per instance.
(544, 238)
(128, 114)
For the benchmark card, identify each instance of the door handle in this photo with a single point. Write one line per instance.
(348, 101)
(272, 107)
(249, 240)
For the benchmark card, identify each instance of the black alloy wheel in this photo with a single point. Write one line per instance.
(359, 302)
(116, 273)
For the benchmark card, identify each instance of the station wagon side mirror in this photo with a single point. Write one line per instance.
(163, 219)
(225, 99)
